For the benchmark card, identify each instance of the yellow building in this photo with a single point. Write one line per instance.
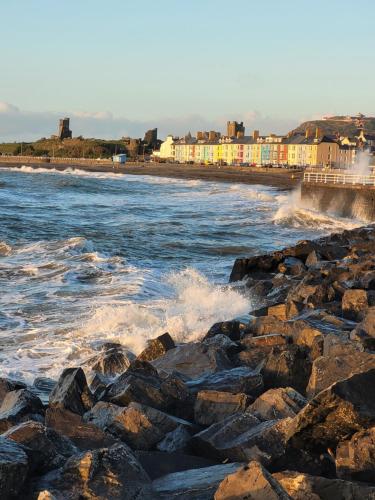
(167, 148)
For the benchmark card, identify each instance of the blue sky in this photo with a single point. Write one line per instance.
(117, 67)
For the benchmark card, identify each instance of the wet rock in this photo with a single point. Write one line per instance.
(13, 469)
(108, 473)
(313, 291)
(72, 392)
(355, 458)
(253, 265)
(142, 384)
(236, 380)
(194, 484)
(242, 437)
(99, 384)
(9, 385)
(277, 403)
(176, 440)
(231, 329)
(354, 304)
(42, 387)
(158, 464)
(302, 486)
(19, 406)
(252, 481)
(335, 414)
(194, 360)
(113, 360)
(327, 370)
(45, 448)
(140, 426)
(287, 366)
(213, 406)
(85, 436)
(157, 347)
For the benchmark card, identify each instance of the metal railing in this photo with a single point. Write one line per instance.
(339, 178)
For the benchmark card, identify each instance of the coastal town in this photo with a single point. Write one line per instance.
(311, 148)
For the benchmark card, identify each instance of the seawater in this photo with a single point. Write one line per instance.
(87, 258)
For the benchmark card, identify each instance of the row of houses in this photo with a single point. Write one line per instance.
(310, 149)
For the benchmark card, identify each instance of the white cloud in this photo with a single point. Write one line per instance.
(16, 124)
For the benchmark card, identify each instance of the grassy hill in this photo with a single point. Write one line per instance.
(333, 126)
(68, 148)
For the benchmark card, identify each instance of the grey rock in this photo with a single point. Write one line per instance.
(13, 469)
(19, 406)
(72, 392)
(194, 484)
(46, 448)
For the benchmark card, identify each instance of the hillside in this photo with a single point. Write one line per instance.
(333, 126)
(68, 148)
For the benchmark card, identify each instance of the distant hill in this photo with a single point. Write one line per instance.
(332, 126)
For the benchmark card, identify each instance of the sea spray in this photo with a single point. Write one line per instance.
(193, 306)
(298, 213)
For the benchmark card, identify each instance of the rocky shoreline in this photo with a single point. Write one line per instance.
(282, 407)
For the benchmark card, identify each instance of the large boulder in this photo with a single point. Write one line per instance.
(326, 370)
(140, 426)
(302, 486)
(46, 448)
(355, 458)
(237, 380)
(252, 481)
(277, 403)
(194, 360)
(9, 385)
(72, 392)
(194, 484)
(85, 436)
(287, 366)
(157, 347)
(112, 360)
(242, 437)
(365, 331)
(335, 414)
(213, 406)
(142, 384)
(13, 469)
(19, 406)
(354, 304)
(107, 473)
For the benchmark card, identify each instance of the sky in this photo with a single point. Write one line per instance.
(119, 67)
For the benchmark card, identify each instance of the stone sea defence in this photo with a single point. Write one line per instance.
(281, 407)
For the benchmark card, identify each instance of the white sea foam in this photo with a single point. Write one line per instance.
(299, 213)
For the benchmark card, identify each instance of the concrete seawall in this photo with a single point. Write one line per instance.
(345, 200)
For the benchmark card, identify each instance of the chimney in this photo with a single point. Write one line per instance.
(308, 133)
(255, 135)
(200, 136)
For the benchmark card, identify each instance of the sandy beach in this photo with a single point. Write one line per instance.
(277, 177)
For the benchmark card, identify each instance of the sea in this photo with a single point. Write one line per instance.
(88, 258)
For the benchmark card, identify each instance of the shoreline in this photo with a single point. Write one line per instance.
(274, 177)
